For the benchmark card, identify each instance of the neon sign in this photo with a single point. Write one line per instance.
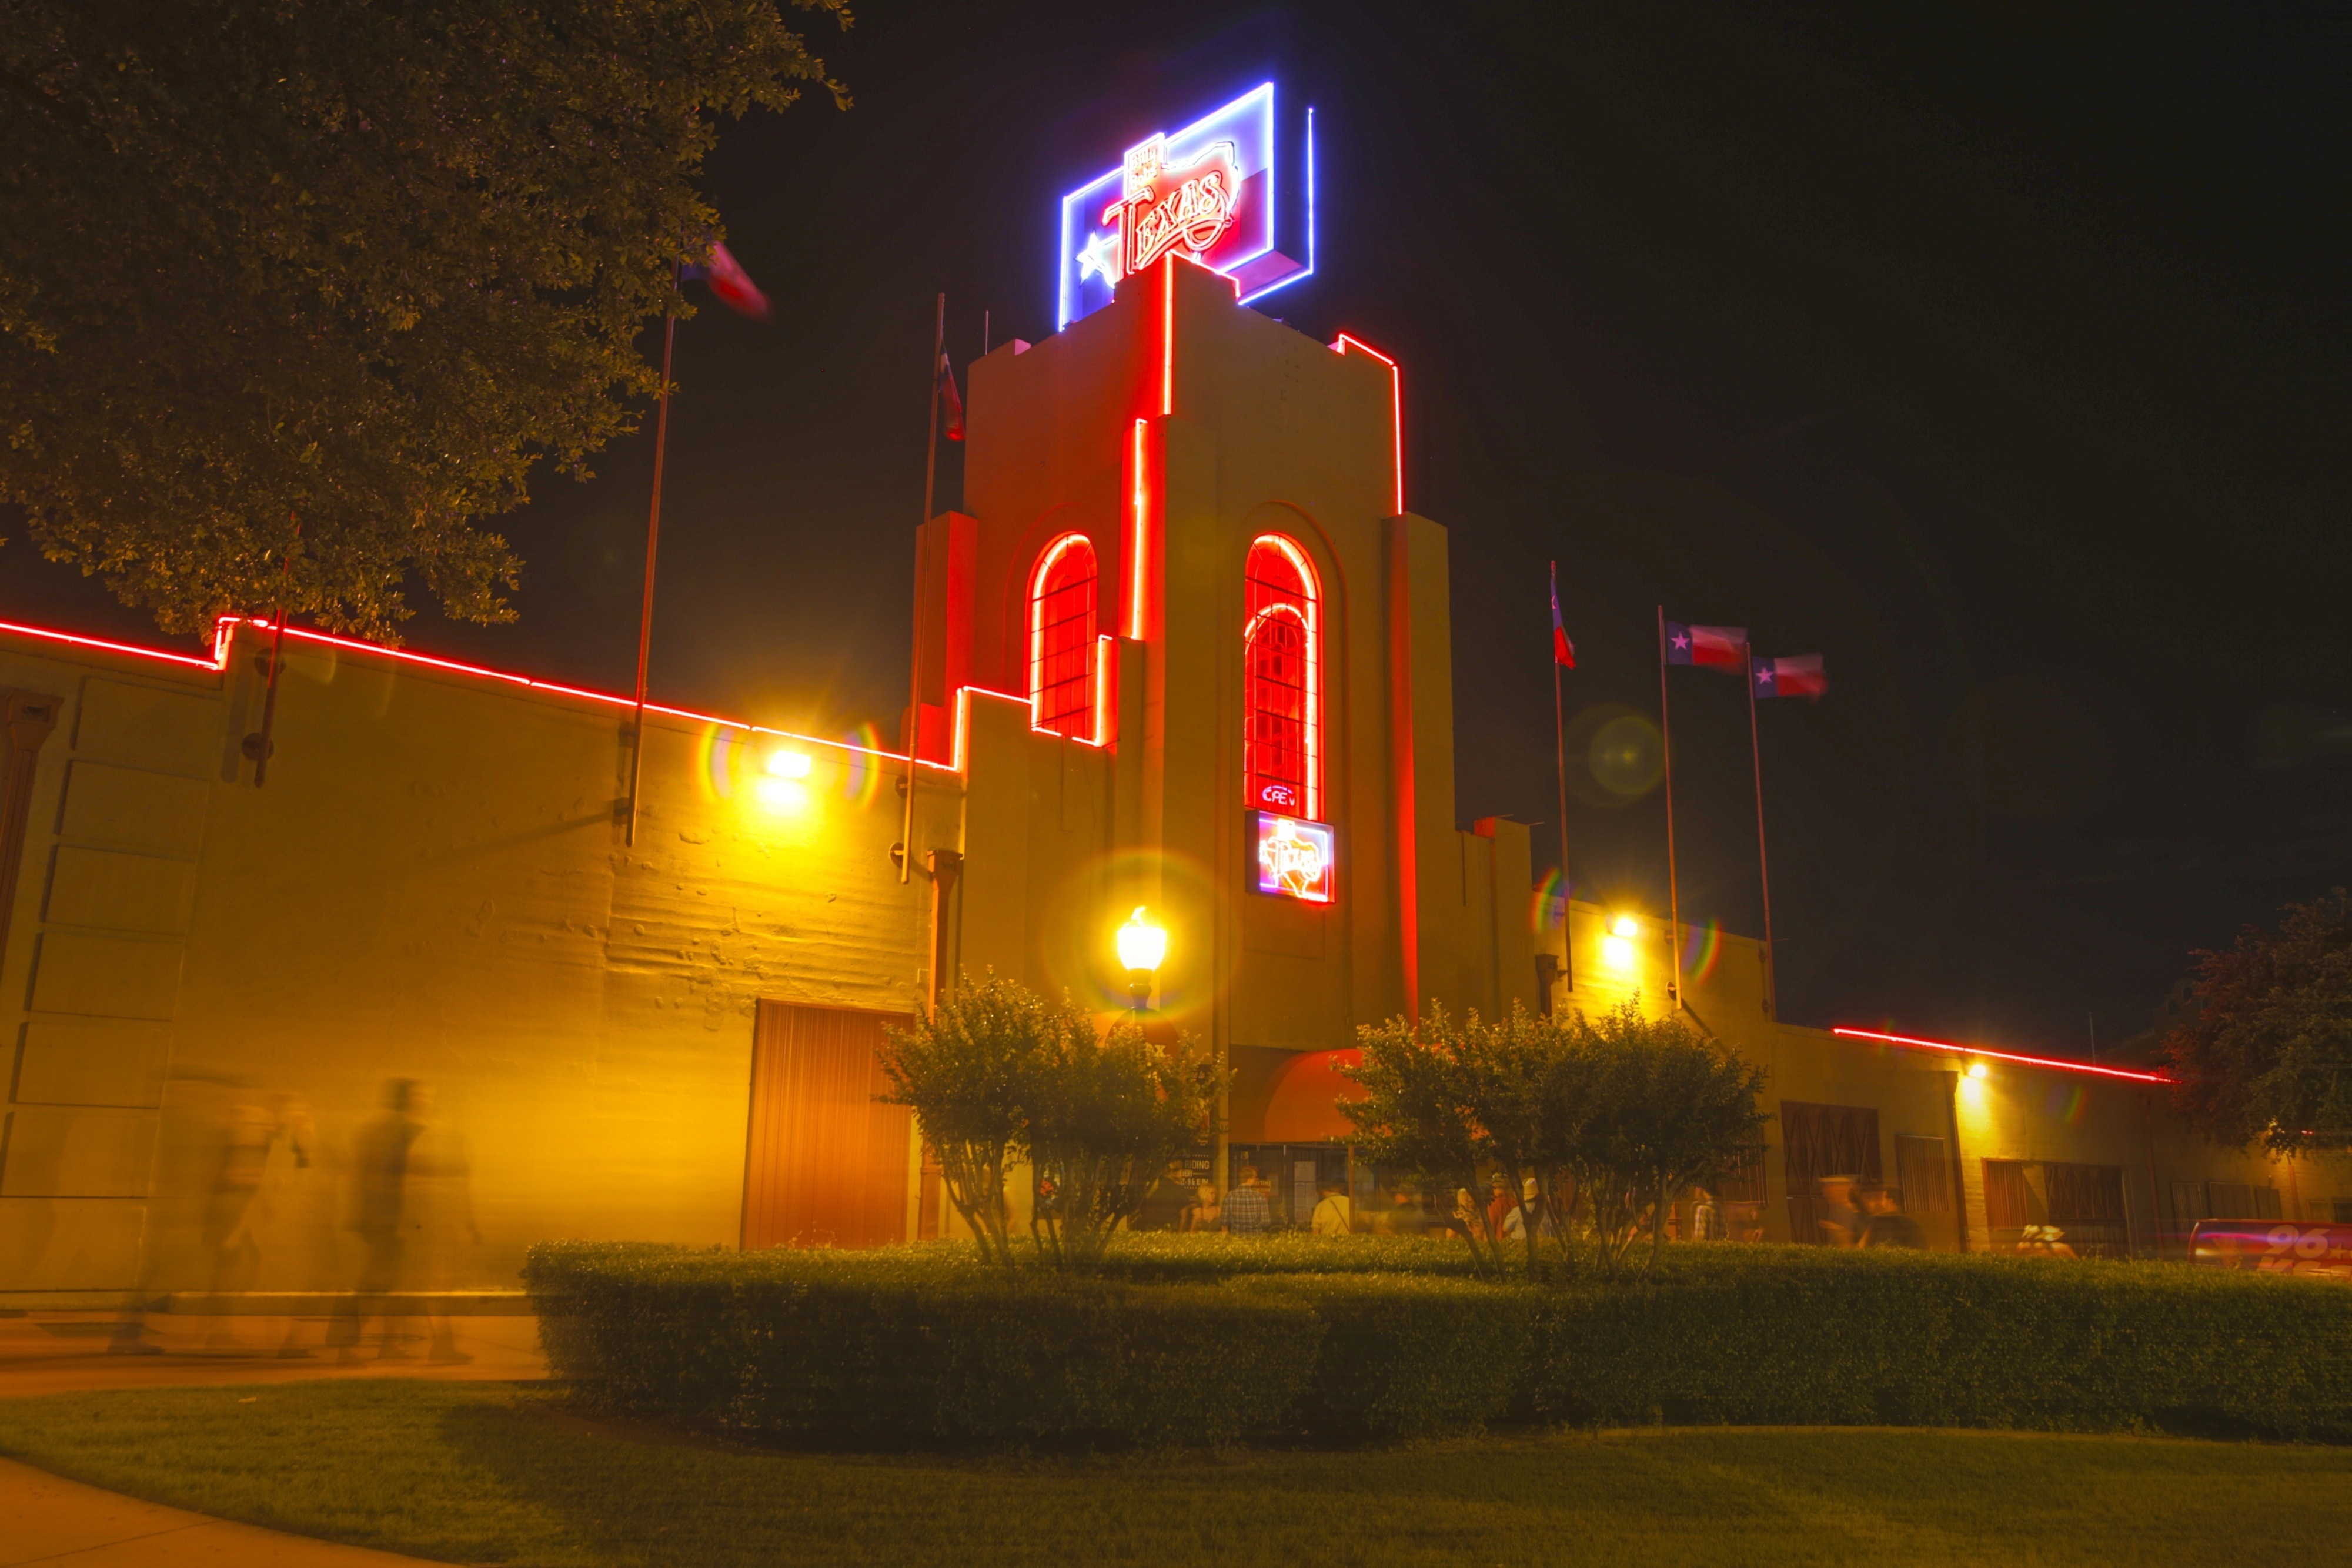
(1153, 220)
(1295, 859)
(1210, 193)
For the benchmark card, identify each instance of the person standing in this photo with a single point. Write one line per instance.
(1247, 1212)
(1707, 1219)
(1333, 1214)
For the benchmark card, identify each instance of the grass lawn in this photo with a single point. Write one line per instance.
(493, 1473)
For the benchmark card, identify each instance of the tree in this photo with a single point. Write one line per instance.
(319, 281)
(1109, 1115)
(996, 1075)
(1416, 1112)
(969, 1070)
(1666, 1110)
(2264, 1054)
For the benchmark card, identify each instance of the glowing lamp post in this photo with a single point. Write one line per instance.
(1141, 947)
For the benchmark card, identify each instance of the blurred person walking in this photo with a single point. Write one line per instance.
(385, 1215)
(1888, 1225)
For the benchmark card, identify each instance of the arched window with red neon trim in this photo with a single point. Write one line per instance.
(1283, 673)
(1062, 638)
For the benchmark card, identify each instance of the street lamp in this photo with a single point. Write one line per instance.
(1141, 947)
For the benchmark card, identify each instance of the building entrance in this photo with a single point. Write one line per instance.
(826, 1165)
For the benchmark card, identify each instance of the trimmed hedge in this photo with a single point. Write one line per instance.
(1808, 1336)
(1198, 1340)
(891, 1348)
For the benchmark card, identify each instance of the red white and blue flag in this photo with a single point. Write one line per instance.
(1709, 647)
(730, 283)
(1801, 676)
(952, 399)
(1563, 651)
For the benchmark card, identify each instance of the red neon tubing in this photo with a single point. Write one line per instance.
(2052, 1063)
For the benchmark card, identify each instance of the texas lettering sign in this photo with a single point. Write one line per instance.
(1220, 192)
(1295, 858)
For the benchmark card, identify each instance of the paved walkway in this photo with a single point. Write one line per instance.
(44, 1519)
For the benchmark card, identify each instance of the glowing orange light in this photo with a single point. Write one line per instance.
(2053, 1064)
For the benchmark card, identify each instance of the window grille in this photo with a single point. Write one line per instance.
(1062, 638)
(1283, 658)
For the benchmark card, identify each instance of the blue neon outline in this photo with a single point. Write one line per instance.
(1309, 271)
(1066, 259)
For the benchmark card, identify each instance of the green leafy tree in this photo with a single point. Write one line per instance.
(1108, 1116)
(318, 281)
(970, 1069)
(1664, 1110)
(999, 1077)
(1416, 1114)
(2265, 1053)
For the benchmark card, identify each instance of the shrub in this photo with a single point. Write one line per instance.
(1410, 1355)
(1808, 1336)
(1204, 1339)
(995, 1073)
(912, 1345)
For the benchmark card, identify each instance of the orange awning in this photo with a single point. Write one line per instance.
(1303, 1107)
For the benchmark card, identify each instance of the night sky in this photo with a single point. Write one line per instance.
(1998, 356)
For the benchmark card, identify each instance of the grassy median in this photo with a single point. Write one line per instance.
(472, 1472)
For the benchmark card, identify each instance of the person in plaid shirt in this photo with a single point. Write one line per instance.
(1247, 1213)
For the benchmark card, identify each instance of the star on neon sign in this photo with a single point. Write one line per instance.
(1100, 255)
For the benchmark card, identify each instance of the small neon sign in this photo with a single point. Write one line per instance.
(1295, 858)
(1210, 193)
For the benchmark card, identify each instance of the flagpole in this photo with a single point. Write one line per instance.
(653, 549)
(1763, 866)
(1674, 886)
(915, 670)
(1559, 743)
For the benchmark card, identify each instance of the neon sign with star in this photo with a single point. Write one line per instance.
(1220, 192)
(1295, 858)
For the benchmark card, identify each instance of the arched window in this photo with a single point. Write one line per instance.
(1283, 654)
(1062, 638)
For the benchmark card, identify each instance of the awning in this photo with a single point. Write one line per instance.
(1303, 1107)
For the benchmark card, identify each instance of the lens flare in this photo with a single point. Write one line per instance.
(1549, 910)
(721, 760)
(1705, 945)
(862, 770)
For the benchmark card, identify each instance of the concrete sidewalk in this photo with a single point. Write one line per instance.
(44, 1519)
(65, 1353)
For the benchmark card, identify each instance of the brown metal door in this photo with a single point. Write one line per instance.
(827, 1162)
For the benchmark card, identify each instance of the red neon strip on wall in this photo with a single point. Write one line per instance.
(1168, 339)
(2053, 1063)
(1396, 407)
(1138, 545)
(529, 683)
(215, 664)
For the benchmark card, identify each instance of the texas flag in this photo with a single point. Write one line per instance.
(1710, 647)
(1563, 651)
(1802, 676)
(730, 283)
(952, 398)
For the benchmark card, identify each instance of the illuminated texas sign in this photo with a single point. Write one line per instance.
(1225, 191)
